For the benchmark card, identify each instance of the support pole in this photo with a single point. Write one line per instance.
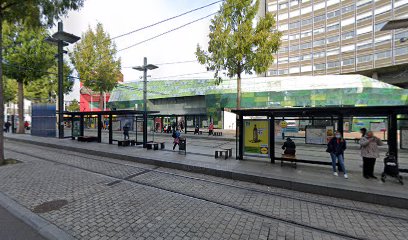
(110, 129)
(145, 103)
(272, 138)
(392, 135)
(81, 125)
(60, 84)
(100, 128)
(340, 124)
(240, 124)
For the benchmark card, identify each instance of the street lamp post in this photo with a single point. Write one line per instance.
(144, 68)
(61, 39)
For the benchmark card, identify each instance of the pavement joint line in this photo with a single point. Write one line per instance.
(354, 195)
(278, 219)
(45, 228)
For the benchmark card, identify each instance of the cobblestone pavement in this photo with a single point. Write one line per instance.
(114, 199)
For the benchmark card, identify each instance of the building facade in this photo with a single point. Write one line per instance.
(340, 37)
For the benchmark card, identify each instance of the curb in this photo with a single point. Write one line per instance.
(349, 194)
(39, 224)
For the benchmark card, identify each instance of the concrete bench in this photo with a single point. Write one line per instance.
(87, 139)
(290, 158)
(217, 134)
(152, 145)
(123, 143)
(221, 152)
(229, 151)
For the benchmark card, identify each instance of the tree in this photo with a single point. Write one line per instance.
(46, 88)
(28, 59)
(236, 45)
(73, 106)
(34, 13)
(95, 60)
(10, 89)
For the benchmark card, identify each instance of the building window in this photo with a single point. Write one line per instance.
(366, 58)
(319, 54)
(320, 66)
(333, 64)
(347, 62)
(307, 21)
(305, 45)
(283, 5)
(333, 14)
(401, 51)
(318, 31)
(400, 3)
(283, 49)
(319, 42)
(283, 60)
(382, 55)
(306, 57)
(283, 16)
(319, 18)
(347, 35)
(283, 27)
(294, 13)
(400, 35)
(285, 37)
(333, 39)
(364, 45)
(294, 36)
(333, 27)
(306, 34)
(294, 48)
(294, 59)
(294, 3)
(294, 25)
(347, 9)
(333, 52)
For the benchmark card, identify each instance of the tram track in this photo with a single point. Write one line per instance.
(192, 196)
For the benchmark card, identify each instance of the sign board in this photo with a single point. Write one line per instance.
(404, 138)
(256, 137)
(318, 134)
(378, 126)
(76, 130)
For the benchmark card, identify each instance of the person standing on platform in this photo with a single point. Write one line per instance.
(176, 136)
(336, 147)
(370, 152)
(211, 129)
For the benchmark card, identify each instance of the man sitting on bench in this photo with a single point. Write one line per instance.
(289, 148)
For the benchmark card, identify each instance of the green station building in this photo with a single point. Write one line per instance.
(200, 101)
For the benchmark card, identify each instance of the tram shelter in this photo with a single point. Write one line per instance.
(78, 123)
(392, 114)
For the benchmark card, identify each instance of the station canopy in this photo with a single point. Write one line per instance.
(261, 92)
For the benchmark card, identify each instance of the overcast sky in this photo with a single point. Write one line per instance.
(121, 16)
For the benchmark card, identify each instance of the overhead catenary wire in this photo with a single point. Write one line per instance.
(169, 63)
(167, 32)
(166, 20)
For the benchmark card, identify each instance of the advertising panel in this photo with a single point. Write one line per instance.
(76, 132)
(319, 134)
(256, 137)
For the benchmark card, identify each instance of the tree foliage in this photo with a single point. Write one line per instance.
(73, 106)
(34, 13)
(10, 90)
(95, 60)
(28, 59)
(45, 89)
(237, 45)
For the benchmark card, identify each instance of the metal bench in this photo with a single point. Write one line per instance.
(87, 139)
(217, 134)
(221, 152)
(152, 145)
(290, 158)
(123, 143)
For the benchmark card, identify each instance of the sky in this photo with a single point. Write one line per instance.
(122, 16)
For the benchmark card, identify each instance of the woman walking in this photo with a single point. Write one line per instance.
(176, 136)
(369, 151)
(336, 147)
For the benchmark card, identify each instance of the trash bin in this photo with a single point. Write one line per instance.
(182, 145)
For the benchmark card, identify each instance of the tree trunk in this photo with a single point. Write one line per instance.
(20, 107)
(1, 94)
(239, 91)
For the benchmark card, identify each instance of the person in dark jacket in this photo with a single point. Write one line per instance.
(289, 146)
(126, 132)
(336, 147)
